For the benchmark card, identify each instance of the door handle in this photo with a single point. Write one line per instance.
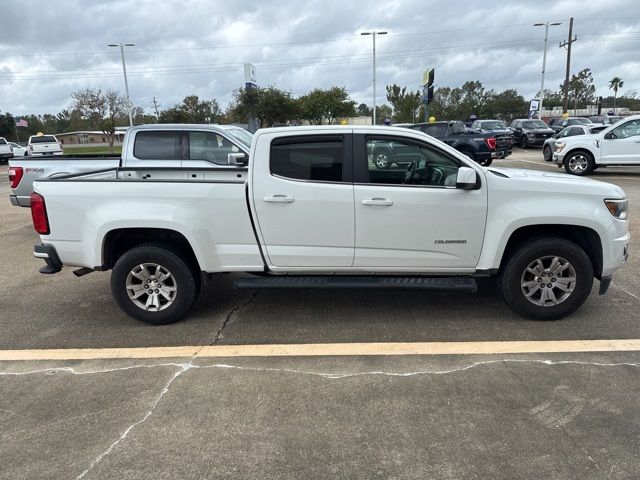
(377, 202)
(278, 199)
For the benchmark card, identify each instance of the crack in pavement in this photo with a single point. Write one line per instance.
(124, 434)
(327, 375)
(231, 313)
(185, 367)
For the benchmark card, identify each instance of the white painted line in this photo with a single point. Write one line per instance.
(328, 349)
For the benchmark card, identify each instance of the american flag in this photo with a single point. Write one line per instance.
(21, 123)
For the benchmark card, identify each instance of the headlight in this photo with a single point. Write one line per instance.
(560, 146)
(617, 207)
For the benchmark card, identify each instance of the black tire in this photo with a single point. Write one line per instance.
(184, 278)
(512, 279)
(382, 159)
(546, 153)
(524, 143)
(579, 163)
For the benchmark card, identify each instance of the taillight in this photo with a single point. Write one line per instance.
(39, 214)
(491, 142)
(15, 175)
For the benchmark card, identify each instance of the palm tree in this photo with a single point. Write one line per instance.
(615, 83)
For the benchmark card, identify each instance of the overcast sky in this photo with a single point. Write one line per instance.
(51, 48)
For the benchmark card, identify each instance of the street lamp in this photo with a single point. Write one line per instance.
(544, 60)
(126, 83)
(373, 34)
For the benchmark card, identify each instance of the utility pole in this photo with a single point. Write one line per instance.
(544, 61)
(374, 69)
(126, 83)
(155, 107)
(570, 40)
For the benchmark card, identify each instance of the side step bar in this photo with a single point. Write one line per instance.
(460, 284)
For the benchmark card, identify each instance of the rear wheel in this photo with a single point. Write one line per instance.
(154, 285)
(546, 279)
(546, 153)
(579, 163)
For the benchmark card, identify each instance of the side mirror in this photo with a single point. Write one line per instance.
(609, 136)
(467, 178)
(237, 159)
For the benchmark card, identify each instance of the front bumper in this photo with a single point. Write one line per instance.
(558, 158)
(50, 256)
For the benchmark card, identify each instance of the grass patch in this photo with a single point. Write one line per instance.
(93, 149)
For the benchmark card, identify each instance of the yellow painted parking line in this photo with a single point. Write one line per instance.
(328, 349)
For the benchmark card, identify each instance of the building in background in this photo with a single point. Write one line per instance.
(87, 137)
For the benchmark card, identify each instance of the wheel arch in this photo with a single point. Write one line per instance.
(587, 238)
(120, 240)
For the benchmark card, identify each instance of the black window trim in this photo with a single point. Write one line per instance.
(361, 169)
(347, 155)
(177, 154)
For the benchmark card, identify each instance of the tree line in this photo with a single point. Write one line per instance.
(104, 110)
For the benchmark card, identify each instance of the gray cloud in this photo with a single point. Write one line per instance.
(50, 49)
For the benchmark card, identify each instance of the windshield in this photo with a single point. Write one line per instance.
(458, 128)
(534, 124)
(492, 126)
(580, 121)
(43, 139)
(613, 119)
(242, 135)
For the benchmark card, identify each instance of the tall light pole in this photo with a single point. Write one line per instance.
(373, 34)
(124, 70)
(544, 61)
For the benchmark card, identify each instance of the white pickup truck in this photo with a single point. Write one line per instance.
(165, 145)
(307, 208)
(617, 145)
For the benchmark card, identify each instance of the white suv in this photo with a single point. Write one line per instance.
(43, 145)
(617, 145)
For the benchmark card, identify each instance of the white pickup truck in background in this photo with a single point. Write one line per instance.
(307, 208)
(167, 145)
(617, 145)
(6, 150)
(43, 145)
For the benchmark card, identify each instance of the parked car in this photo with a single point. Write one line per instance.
(530, 132)
(311, 211)
(18, 150)
(484, 126)
(606, 119)
(6, 152)
(43, 145)
(549, 144)
(616, 145)
(481, 147)
(570, 122)
(146, 146)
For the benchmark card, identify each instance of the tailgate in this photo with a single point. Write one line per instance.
(503, 142)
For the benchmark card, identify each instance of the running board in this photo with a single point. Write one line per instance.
(460, 284)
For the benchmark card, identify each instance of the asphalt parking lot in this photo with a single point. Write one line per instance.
(366, 408)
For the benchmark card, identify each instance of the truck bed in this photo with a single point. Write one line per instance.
(35, 168)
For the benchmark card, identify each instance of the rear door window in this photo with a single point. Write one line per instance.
(318, 158)
(157, 145)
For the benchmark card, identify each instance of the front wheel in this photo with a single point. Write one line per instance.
(579, 163)
(546, 279)
(154, 285)
(523, 142)
(546, 153)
